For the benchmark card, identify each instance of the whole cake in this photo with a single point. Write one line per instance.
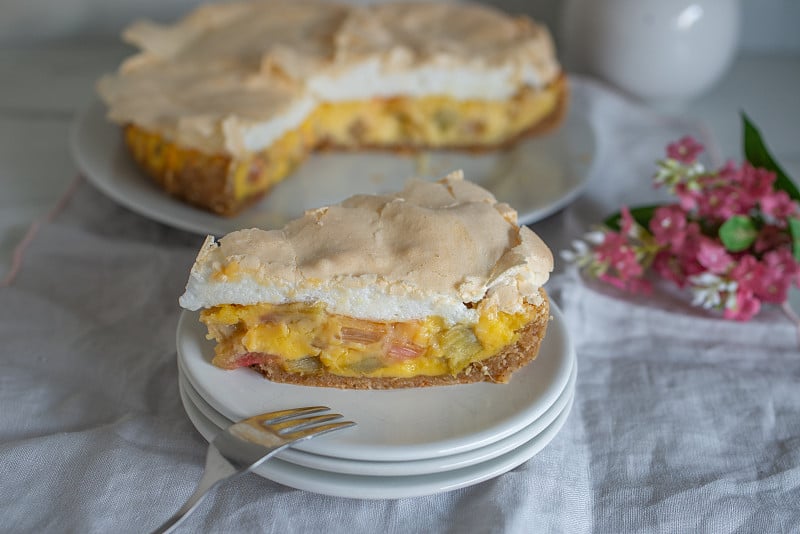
(434, 285)
(225, 103)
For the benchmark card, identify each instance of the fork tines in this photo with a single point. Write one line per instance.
(281, 415)
(290, 425)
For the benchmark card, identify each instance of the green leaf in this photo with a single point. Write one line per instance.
(738, 233)
(641, 215)
(756, 152)
(794, 229)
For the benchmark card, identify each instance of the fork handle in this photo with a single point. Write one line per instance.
(217, 469)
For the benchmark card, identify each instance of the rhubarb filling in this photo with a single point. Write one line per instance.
(305, 339)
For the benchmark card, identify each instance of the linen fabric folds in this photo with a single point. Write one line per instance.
(682, 422)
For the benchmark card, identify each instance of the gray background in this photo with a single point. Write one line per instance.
(769, 26)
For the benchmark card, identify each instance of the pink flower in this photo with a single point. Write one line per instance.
(690, 251)
(730, 174)
(627, 221)
(688, 198)
(768, 280)
(684, 150)
(756, 181)
(619, 255)
(623, 268)
(684, 246)
(679, 263)
(669, 225)
(723, 202)
(771, 237)
(778, 204)
(780, 270)
(747, 273)
(745, 308)
(713, 256)
(668, 266)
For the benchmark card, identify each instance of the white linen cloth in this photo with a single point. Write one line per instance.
(682, 422)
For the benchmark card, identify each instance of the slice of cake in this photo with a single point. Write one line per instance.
(225, 103)
(434, 285)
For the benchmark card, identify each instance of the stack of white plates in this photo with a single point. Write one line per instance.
(408, 442)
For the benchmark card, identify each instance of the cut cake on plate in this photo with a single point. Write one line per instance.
(434, 285)
(223, 104)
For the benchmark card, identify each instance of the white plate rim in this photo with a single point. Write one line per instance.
(402, 468)
(379, 487)
(98, 150)
(212, 384)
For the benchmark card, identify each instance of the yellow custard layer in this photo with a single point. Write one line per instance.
(430, 122)
(306, 339)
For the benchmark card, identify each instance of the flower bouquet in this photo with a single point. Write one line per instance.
(732, 235)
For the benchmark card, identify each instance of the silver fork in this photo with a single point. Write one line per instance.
(245, 445)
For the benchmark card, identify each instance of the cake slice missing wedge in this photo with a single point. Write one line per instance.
(433, 285)
(228, 101)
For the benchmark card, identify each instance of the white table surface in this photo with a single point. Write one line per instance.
(43, 87)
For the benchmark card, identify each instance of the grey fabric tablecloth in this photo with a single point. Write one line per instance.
(682, 422)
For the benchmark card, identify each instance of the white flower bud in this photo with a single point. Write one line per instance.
(596, 237)
(568, 255)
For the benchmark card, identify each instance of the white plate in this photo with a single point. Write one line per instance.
(414, 467)
(537, 177)
(393, 425)
(378, 487)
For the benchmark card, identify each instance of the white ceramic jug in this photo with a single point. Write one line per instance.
(664, 52)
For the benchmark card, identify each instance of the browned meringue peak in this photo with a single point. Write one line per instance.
(427, 250)
(454, 32)
(292, 36)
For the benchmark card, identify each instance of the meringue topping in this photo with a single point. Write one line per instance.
(446, 249)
